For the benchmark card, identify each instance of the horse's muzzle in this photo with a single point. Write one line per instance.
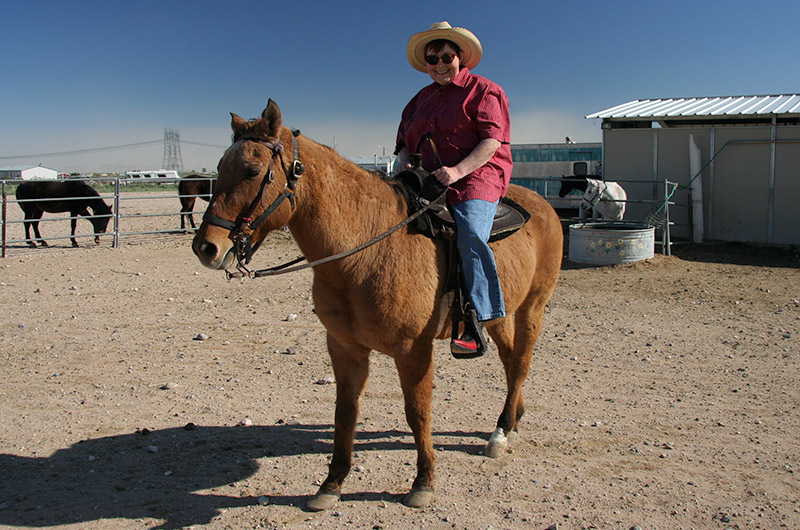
(211, 255)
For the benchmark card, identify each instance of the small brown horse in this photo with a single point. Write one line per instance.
(73, 196)
(190, 188)
(389, 297)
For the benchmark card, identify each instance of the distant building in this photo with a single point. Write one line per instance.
(28, 173)
(380, 163)
(538, 166)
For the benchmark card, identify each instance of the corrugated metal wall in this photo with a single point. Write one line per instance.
(749, 189)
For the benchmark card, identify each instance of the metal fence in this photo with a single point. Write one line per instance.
(140, 208)
(144, 208)
(654, 211)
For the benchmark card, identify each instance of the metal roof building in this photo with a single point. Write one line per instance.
(745, 151)
(703, 108)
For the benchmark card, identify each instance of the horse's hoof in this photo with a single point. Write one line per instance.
(418, 498)
(498, 444)
(322, 501)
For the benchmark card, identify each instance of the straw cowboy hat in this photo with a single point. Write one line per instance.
(471, 49)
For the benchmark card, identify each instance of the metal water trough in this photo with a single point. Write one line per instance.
(610, 242)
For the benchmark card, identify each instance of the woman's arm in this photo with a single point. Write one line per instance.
(482, 153)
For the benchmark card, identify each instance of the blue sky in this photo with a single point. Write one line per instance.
(89, 75)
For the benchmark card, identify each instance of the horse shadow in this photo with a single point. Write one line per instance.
(163, 474)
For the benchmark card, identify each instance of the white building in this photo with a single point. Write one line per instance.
(28, 173)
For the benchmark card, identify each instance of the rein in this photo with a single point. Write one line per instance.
(282, 269)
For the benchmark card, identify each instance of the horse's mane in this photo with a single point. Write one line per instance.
(81, 189)
(378, 177)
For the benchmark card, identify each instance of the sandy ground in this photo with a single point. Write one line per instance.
(663, 395)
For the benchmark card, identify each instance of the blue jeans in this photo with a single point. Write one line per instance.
(474, 223)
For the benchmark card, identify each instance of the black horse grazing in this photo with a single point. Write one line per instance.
(73, 196)
(190, 188)
(572, 183)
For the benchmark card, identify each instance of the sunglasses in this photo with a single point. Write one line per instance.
(446, 58)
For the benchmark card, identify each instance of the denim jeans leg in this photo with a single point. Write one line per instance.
(474, 223)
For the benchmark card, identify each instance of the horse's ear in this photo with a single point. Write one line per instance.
(237, 122)
(271, 117)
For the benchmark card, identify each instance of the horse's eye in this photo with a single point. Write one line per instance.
(252, 172)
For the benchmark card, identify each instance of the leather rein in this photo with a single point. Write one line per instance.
(242, 232)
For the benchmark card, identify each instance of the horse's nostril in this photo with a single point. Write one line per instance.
(208, 250)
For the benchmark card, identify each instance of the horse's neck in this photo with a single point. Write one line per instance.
(339, 205)
(96, 203)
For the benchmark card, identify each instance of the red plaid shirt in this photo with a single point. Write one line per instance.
(458, 116)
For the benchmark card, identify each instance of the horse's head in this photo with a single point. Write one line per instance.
(100, 219)
(249, 200)
(593, 192)
(571, 183)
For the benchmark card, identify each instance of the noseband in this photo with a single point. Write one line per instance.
(243, 228)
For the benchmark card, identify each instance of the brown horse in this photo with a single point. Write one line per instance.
(190, 188)
(389, 297)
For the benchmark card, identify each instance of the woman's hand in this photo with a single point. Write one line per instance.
(482, 153)
(447, 175)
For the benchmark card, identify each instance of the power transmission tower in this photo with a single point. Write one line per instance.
(172, 150)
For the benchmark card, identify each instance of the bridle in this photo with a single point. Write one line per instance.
(591, 201)
(242, 229)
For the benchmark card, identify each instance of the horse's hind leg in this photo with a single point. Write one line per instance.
(351, 368)
(31, 242)
(32, 221)
(515, 340)
(187, 205)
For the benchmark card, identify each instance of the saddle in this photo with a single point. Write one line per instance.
(421, 190)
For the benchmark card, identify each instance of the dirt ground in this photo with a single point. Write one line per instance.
(141, 391)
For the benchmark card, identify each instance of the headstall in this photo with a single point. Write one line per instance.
(243, 228)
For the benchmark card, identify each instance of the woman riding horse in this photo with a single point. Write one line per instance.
(466, 119)
(390, 297)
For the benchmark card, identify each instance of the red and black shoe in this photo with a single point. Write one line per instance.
(471, 344)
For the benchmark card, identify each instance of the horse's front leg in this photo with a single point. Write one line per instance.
(74, 223)
(416, 377)
(351, 368)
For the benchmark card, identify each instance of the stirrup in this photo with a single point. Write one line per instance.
(472, 343)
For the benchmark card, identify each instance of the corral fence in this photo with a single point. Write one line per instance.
(141, 208)
(662, 204)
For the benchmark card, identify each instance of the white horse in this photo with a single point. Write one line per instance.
(606, 199)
